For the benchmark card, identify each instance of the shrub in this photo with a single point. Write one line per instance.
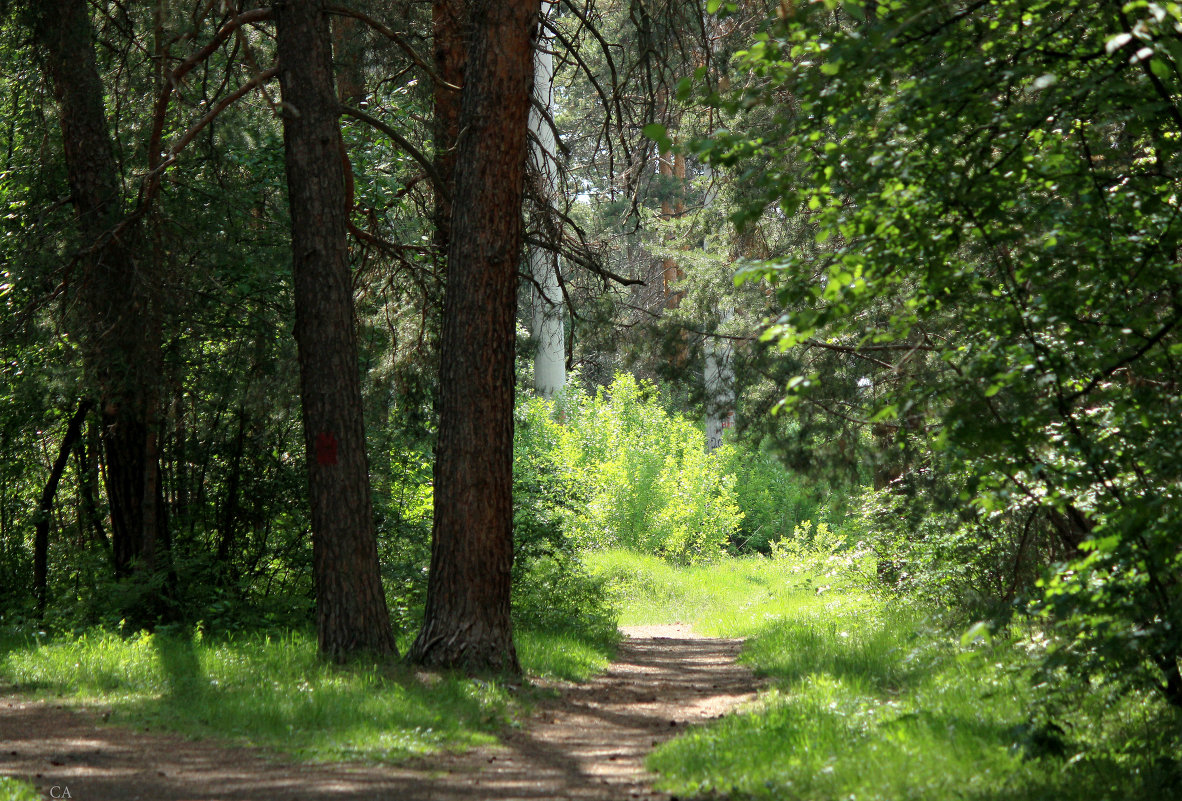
(630, 474)
(774, 499)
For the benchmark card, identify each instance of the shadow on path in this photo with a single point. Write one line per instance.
(588, 744)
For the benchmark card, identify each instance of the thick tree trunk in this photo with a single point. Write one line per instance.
(467, 622)
(451, 54)
(113, 302)
(351, 606)
(45, 507)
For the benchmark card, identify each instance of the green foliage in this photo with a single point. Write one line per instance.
(16, 790)
(930, 546)
(637, 476)
(873, 698)
(773, 499)
(823, 551)
(990, 198)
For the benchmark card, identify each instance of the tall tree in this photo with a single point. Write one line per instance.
(111, 298)
(351, 606)
(451, 56)
(467, 622)
(548, 330)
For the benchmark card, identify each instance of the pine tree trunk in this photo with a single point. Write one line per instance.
(351, 607)
(467, 622)
(451, 54)
(348, 50)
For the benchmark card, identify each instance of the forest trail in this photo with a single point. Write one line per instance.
(587, 743)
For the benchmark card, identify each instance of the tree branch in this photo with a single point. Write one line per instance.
(401, 141)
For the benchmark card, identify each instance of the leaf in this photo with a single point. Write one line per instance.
(1117, 42)
(659, 134)
(978, 632)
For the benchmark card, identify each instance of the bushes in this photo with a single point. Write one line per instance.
(629, 474)
(774, 500)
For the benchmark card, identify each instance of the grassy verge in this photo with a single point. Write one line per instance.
(870, 700)
(16, 790)
(273, 691)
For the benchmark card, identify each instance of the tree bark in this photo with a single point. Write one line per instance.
(114, 313)
(548, 330)
(45, 507)
(348, 46)
(350, 604)
(86, 452)
(451, 55)
(467, 622)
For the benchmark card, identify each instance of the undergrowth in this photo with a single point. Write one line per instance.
(16, 790)
(874, 699)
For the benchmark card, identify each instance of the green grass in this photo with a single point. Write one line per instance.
(874, 701)
(728, 598)
(561, 655)
(274, 691)
(15, 790)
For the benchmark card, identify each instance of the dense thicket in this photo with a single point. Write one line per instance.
(985, 277)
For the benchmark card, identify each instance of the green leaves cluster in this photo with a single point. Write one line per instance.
(644, 479)
(992, 193)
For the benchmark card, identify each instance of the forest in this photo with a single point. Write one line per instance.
(591, 398)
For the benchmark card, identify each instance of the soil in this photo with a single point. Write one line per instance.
(588, 742)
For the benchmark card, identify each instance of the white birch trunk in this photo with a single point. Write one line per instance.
(719, 376)
(548, 330)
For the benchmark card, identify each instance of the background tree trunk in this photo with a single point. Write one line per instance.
(548, 330)
(45, 507)
(114, 310)
(467, 622)
(351, 606)
(348, 46)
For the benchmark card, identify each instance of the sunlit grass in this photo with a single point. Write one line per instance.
(561, 656)
(274, 691)
(876, 701)
(729, 598)
(15, 790)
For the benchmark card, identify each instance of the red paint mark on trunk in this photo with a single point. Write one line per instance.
(326, 449)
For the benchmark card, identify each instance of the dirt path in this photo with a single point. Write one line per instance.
(588, 744)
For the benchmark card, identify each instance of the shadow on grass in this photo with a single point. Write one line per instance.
(184, 678)
(882, 658)
(267, 690)
(280, 695)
